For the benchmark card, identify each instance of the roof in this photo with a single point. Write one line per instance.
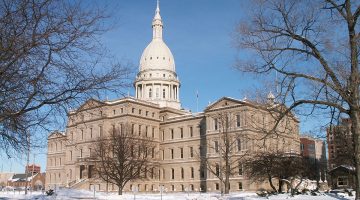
(22, 177)
(346, 167)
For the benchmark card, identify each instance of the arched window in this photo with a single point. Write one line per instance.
(150, 93)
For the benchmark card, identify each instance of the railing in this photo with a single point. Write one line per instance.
(76, 183)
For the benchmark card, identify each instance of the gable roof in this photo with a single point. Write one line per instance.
(91, 103)
(55, 134)
(230, 102)
(348, 168)
(22, 177)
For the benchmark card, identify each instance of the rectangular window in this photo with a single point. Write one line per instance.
(172, 133)
(139, 130)
(191, 152)
(133, 110)
(302, 147)
(70, 155)
(153, 152)
(91, 133)
(181, 153)
(100, 131)
(82, 135)
(240, 169)
(216, 146)
(240, 186)
(181, 133)
(163, 154)
(146, 131)
(172, 153)
(139, 111)
(217, 186)
(132, 129)
(163, 135)
(172, 174)
(114, 112)
(146, 113)
(342, 181)
(81, 153)
(238, 144)
(238, 121)
(121, 110)
(192, 172)
(153, 132)
(191, 131)
(215, 124)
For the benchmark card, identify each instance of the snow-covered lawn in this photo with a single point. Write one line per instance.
(82, 194)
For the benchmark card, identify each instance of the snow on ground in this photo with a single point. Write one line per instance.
(67, 194)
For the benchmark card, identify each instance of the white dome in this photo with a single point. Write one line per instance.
(157, 56)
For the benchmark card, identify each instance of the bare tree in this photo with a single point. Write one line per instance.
(51, 59)
(229, 151)
(123, 157)
(283, 166)
(341, 145)
(314, 48)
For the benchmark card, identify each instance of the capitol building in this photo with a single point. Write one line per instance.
(155, 112)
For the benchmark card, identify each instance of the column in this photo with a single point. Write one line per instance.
(170, 92)
(177, 91)
(136, 91)
(169, 96)
(142, 90)
(153, 91)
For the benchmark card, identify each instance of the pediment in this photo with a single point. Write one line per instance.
(56, 134)
(91, 103)
(224, 102)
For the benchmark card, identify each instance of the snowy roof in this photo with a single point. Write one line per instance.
(22, 177)
(348, 167)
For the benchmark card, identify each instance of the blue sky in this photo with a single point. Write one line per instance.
(198, 32)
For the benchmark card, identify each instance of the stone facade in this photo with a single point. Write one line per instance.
(181, 137)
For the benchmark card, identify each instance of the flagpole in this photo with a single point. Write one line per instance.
(197, 101)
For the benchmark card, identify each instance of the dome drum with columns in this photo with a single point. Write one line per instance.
(157, 80)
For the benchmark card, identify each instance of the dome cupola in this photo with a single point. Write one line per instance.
(157, 80)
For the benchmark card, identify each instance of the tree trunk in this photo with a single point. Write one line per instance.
(227, 184)
(355, 129)
(280, 186)
(271, 183)
(120, 190)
